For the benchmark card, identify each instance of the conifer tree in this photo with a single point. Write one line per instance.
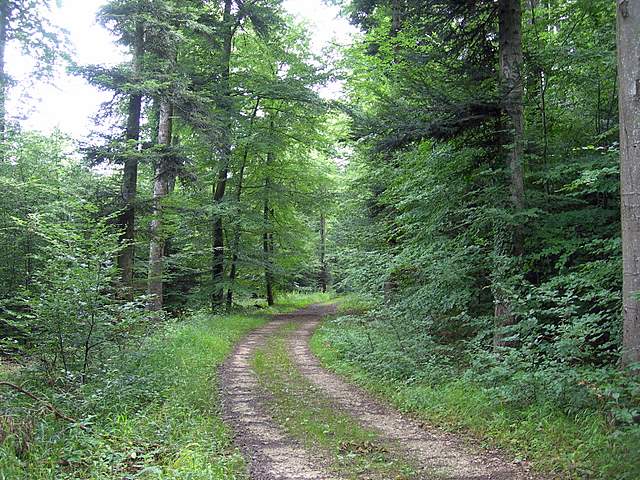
(629, 73)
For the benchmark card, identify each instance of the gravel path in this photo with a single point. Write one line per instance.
(272, 455)
(436, 453)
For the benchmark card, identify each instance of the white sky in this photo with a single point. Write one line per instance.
(70, 103)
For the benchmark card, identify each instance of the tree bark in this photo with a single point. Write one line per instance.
(629, 80)
(511, 59)
(267, 236)
(218, 241)
(126, 257)
(396, 17)
(510, 35)
(323, 252)
(224, 104)
(161, 184)
(4, 27)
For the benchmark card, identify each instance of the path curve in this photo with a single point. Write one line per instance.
(270, 453)
(434, 452)
(273, 455)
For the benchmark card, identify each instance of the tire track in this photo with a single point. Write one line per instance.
(436, 453)
(273, 455)
(270, 453)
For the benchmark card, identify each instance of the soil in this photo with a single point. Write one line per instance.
(272, 455)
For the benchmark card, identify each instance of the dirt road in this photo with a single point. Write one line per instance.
(272, 453)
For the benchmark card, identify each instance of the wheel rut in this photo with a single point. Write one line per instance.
(270, 453)
(273, 455)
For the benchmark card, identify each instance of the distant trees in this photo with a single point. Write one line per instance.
(197, 90)
(629, 73)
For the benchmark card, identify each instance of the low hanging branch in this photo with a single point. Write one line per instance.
(43, 402)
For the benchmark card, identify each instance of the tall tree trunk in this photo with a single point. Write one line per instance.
(225, 106)
(161, 185)
(237, 234)
(130, 174)
(324, 274)
(267, 246)
(4, 26)
(235, 246)
(267, 236)
(396, 16)
(510, 33)
(510, 39)
(629, 73)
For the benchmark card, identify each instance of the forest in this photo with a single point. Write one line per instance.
(241, 274)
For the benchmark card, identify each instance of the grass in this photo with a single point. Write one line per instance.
(152, 413)
(582, 446)
(292, 301)
(155, 415)
(352, 451)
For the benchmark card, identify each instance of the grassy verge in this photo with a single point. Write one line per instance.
(580, 446)
(152, 413)
(351, 451)
(290, 302)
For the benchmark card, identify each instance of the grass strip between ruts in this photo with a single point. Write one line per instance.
(305, 413)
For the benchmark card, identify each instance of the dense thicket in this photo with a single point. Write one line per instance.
(432, 175)
(517, 284)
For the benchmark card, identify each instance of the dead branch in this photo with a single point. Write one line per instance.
(43, 402)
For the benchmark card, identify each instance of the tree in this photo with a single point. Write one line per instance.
(323, 275)
(511, 65)
(237, 228)
(268, 228)
(262, 15)
(129, 21)
(126, 19)
(629, 74)
(164, 177)
(510, 35)
(229, 26)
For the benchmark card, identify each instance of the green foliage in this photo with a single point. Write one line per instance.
(73, 304)
(153, 412)
(574, 422)
(60, 303)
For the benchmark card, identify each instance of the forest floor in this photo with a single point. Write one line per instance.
(295, 420)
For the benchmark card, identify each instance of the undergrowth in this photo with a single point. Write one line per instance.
(151, 413)
(531, 413)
